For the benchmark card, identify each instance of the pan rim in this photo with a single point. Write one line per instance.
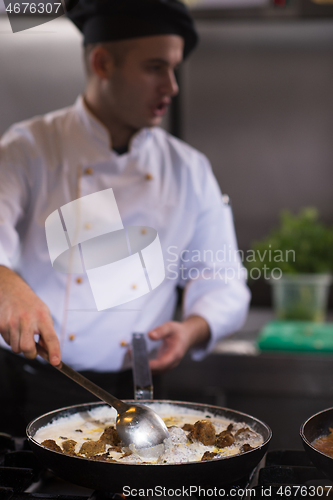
(305, 439)
(158, 401)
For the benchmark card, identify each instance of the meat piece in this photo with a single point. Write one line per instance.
(69, 446)
(244, 434)
(92, 448)
(230, 427)
(208, 455)
(203, 431)
(224, 439)
(246, 447)
(110, 436)
(188, 427)
(52, 445)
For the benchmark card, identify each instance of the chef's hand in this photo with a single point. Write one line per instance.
(177, 338)
(22, 315)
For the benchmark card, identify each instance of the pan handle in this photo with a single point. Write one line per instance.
(142, 379)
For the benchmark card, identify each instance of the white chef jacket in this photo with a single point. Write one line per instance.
(162, 183)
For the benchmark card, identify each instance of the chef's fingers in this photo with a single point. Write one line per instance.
(14, 333)
(27, 341)
(22, 315)
(41, 343)
(162, 331)
(51, 342)
(166, 362)
(39, 323)
(172, 349)
(9, 329)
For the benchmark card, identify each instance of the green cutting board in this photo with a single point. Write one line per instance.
(296, 336)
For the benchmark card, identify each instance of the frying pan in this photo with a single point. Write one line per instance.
(113, 476)
(316, 426)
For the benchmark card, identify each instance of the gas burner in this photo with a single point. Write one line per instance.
(290, 474)
(286, 474)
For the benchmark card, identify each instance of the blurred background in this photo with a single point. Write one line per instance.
(256, 97)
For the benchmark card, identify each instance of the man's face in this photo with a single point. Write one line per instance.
(138, 90)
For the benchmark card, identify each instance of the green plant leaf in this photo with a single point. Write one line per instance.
(300, 244)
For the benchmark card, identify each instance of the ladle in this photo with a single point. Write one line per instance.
(136, 424)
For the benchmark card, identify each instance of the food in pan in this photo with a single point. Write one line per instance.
(194, 436)
(325, 443)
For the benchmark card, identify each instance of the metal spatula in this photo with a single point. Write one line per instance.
(136, 424)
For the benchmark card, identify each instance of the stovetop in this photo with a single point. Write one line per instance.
(285, 474)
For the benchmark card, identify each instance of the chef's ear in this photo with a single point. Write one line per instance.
(101, 62)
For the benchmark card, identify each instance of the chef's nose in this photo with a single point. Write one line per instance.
(171, 83)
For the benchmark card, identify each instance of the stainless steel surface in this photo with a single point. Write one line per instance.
(143, 384)
(142, 427)
(136, 424)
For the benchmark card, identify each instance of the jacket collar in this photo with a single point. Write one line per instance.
(99, 132)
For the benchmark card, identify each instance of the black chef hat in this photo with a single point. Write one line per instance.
(109, 20)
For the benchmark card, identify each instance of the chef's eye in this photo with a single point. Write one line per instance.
(155, 68)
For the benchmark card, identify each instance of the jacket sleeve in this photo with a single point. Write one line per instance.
(14, 194)
(215, 279)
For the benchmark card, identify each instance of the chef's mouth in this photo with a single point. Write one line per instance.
(161, 108)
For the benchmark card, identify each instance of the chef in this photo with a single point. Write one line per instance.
(110, 139)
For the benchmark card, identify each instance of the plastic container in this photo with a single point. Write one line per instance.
(301, 296)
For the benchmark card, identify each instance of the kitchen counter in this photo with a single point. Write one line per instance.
(244, 342)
